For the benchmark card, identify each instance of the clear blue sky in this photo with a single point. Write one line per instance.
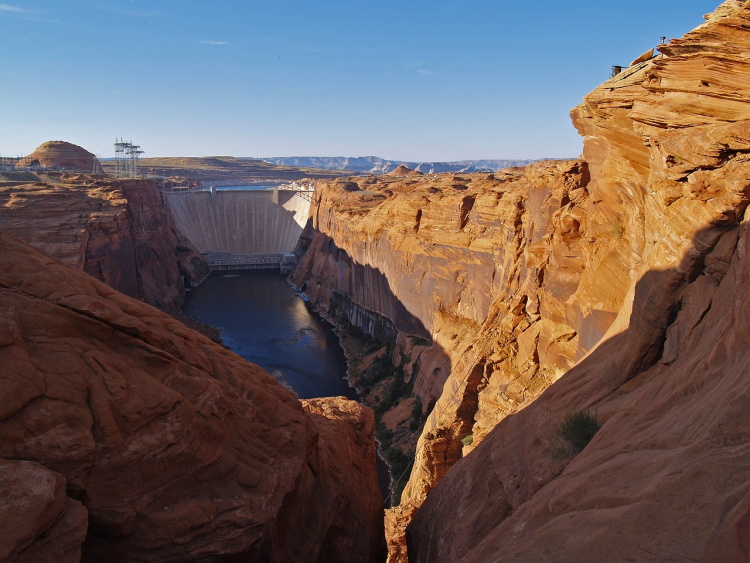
(410, 80)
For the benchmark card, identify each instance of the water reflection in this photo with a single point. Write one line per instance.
(265, 322)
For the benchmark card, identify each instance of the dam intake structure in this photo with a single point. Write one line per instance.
(243, 229)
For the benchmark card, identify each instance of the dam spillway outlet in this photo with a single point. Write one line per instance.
(242, 222)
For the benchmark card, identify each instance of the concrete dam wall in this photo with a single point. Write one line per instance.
(241, 221)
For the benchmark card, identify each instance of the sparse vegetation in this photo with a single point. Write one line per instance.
(467, 440)
(382, 386)
(574, 433)
(417, 341)
(617, 230)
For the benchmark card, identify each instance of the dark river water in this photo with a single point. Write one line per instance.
(264, 321)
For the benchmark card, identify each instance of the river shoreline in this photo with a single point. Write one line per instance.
(351, 355)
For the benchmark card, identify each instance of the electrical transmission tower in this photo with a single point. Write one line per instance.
(126, 159)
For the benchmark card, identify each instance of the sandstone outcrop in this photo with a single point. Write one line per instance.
(38, 521)
(601, 284)
(350, 516)
(119, 231)
(404, 171)
(177, 448)
(59, 155)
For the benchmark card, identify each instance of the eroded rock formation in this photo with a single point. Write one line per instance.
(614, 284)
(59, 155)
(177, 448)
(119, 231)
(665, 478)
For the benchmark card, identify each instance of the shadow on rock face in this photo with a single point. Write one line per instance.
(661, 476)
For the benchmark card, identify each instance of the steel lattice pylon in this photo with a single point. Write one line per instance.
(126, 159)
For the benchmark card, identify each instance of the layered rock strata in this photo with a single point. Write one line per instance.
(667, 144)
(665, 478)
(119, 231)
(177, 448)
(496, 271)
(610, 265)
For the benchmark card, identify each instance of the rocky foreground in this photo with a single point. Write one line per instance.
(125, 436)
(615, 285)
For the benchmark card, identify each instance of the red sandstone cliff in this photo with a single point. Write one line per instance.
(666, 476)
(119, 231)
(174, 447)
(602, 285)
(496, 270)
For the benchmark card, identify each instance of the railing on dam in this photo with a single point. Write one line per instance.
(219, 261)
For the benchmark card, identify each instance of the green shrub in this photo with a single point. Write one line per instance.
(575, 432)
(417, 341)
(398, 390)
(618, 231)
(467, 440)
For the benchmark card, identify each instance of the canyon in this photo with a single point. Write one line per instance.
(613, 285)
(126, 435)
(140, 439)
(481, 311)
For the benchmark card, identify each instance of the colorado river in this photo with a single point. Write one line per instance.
(263, 321)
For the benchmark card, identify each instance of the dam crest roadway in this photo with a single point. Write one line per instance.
(243, 229)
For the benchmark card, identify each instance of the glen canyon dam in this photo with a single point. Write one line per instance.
(242, 221)
(344, 359)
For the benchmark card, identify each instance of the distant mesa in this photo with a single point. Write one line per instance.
(405, 171)
(59, 155)
(377, 165)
